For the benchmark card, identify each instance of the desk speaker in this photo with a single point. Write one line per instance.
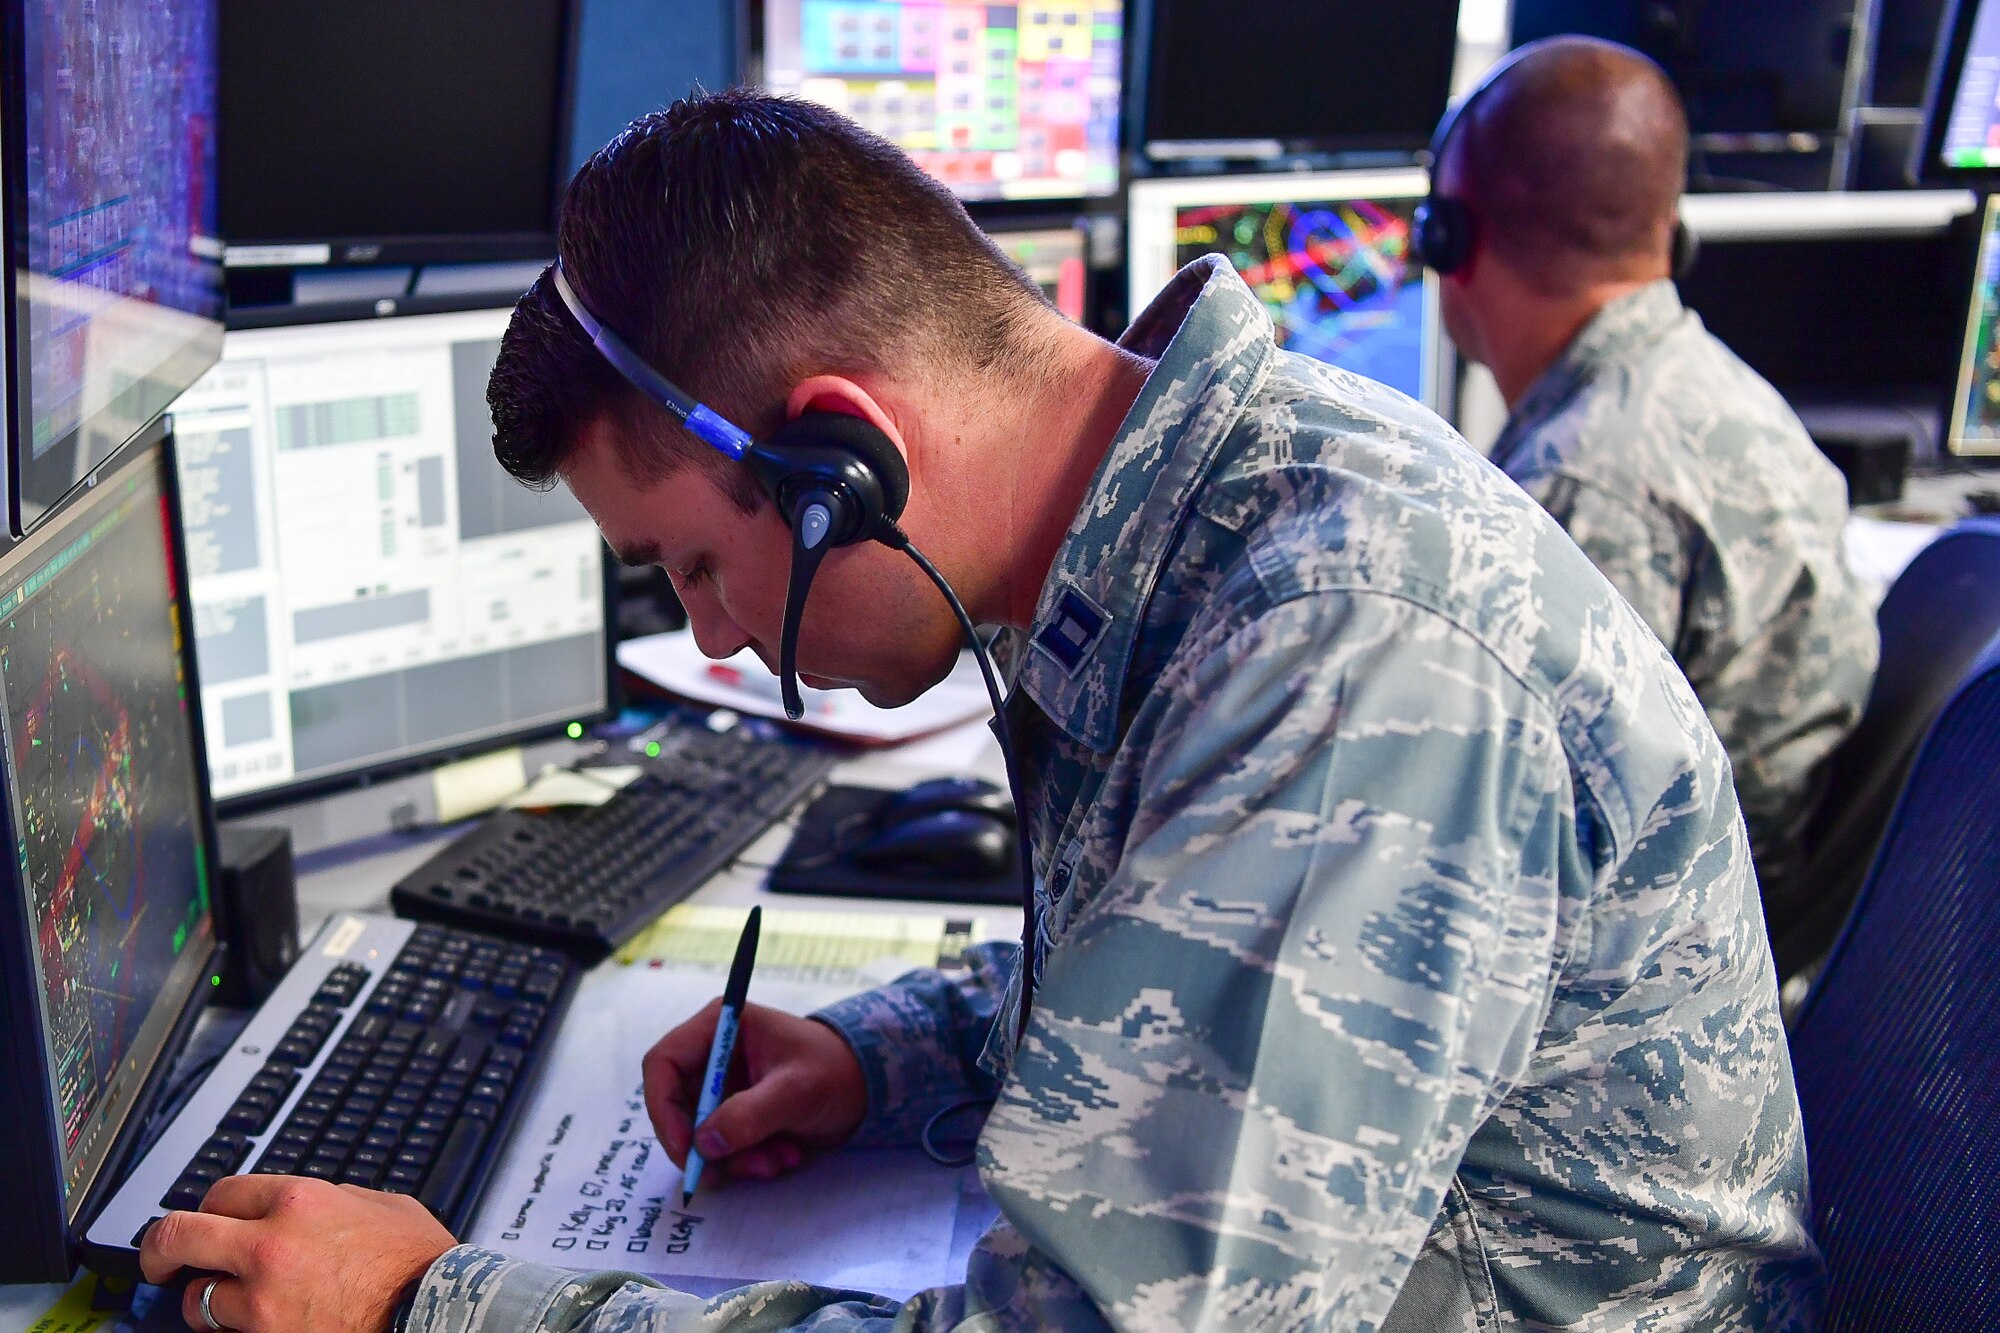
(257, 913)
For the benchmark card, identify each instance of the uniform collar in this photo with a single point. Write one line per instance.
(1623, 328)
(1212, 341)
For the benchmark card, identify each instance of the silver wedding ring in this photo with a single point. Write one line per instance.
(208, 1315)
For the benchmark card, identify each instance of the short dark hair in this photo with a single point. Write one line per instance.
(742, 242)
(1576, 161)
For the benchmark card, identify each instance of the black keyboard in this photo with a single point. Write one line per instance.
(426, 1077)
(587, 880)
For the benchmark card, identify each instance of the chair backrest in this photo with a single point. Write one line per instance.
(1897, 1051)
(1938, 616)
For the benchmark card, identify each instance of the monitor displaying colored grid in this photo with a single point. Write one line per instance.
(997, 101)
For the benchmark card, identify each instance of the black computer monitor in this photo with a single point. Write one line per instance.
(1744, 67)
(997, 101)
(105, 930)
(1961, 139)
(113, 281)
(1292, 77)
(379, 131)
(371, 590)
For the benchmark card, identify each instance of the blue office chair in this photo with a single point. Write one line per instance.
(1940, 614)
(1897, 1050)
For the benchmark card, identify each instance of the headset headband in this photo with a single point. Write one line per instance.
(707, 425)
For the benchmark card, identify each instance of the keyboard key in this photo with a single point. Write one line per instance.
(251, 1114)
(403, 1180)
(454, 1166)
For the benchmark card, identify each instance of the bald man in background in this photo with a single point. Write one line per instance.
(1679, 471)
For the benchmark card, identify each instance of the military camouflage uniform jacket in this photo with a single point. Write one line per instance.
(1402, 965)
(1690, 483)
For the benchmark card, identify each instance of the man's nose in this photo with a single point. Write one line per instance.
(716, 634)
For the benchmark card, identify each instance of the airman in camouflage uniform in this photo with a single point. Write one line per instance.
(1400, 960)
(1682, 475)
(1690, 483)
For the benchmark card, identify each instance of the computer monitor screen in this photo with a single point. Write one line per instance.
(109, 198)
(1306, 76)
(370, 588)
(382, 123)
(1054, 258)
(1328, 255)
(104, 794)
(1965, 133)
(1975, 419)
(997, 101)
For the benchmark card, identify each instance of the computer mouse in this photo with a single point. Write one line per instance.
(944, 844)
(967, 794)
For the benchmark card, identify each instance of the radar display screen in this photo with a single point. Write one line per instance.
(1337, 277)
(102, 781)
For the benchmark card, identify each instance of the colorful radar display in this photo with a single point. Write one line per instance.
(1337, 277)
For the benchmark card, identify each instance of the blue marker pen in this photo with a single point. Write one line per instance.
(719, 1054)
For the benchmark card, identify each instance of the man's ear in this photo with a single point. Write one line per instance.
(836, 393)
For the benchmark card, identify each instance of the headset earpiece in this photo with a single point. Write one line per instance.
(819, 435)
(1442, 234)
(837, 480)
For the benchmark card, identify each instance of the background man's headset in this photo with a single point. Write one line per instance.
(1445, 231)
(836, 480)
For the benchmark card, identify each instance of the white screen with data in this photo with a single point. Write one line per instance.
(369, 586)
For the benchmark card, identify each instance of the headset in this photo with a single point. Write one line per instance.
(837, 480)
(1444, 230)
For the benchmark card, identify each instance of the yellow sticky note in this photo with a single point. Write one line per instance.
(473, 786)
(72, 1314)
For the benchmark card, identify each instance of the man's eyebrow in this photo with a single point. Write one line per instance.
(638, 555)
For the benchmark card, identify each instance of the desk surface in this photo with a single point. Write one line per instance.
(335, 882)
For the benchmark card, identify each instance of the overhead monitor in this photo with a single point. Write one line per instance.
(997, 101)
(1328, 254)
(1055, 259)
(381, 131)
(113, 280)
(370, 589)
(1961, 141)
(1975, 417)
(105, 931)
(1293, 77)
(1744, 67)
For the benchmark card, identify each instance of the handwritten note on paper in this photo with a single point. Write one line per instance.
(584, 1183)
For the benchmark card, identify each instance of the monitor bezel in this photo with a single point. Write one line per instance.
(1955, 441)
(41, 1235)
(351, 251)
(1947, 66)
(188, 362)
(293, 791)
(1149, 247)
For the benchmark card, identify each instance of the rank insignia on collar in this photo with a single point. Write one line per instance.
(1073, 630)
